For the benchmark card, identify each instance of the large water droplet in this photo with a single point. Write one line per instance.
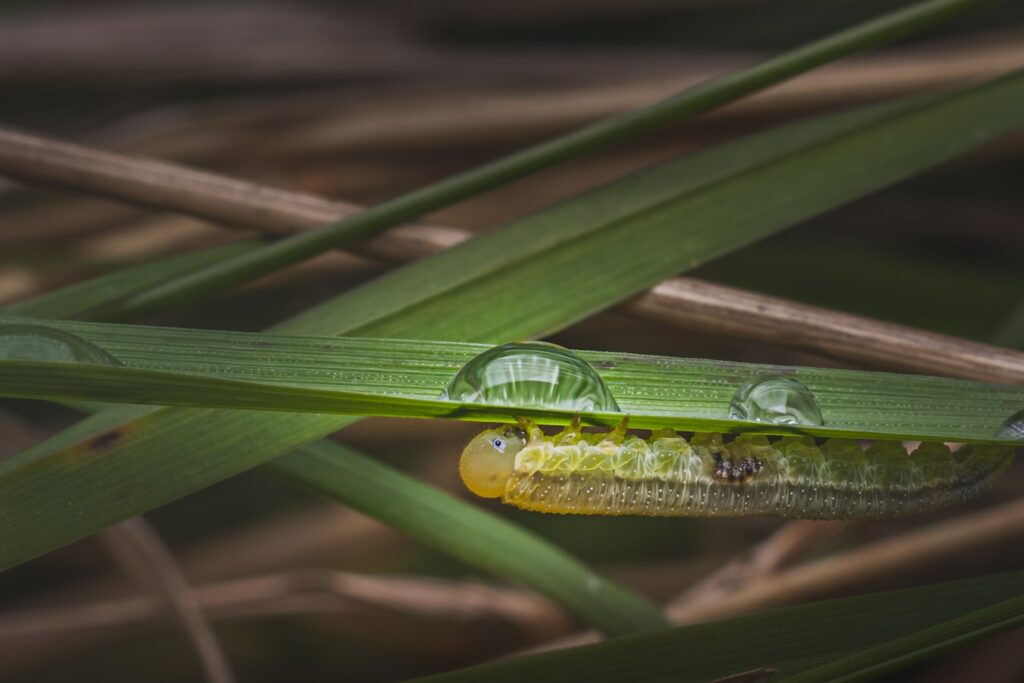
(532, 374)
(37, 342)
(779, 400)
(1012, 427)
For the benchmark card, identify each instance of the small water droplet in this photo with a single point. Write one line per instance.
(38, 342)
(779, 400)
(531, 374)
(1012, 427)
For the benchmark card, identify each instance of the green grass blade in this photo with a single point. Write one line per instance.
(543, 272)
(89, 298)
(54, 493)
(466, 532)
(699, 99)
(915, 647)
(401, 378)
(790, 640)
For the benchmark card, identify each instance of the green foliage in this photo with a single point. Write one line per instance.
(504, 286)
(530, 278)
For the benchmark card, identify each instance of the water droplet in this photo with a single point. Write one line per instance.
(779, 400)
(531, 374)
(1012, 427)
(37, 342)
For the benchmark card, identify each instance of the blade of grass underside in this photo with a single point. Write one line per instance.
(399, 378)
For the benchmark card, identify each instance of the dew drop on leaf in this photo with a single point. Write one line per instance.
(1012, 427)
(532, 374)
(779, 400)
(41, 343)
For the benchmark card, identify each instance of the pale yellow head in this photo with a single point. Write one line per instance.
(489, 459)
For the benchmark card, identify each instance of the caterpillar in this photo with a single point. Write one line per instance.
(616, 473)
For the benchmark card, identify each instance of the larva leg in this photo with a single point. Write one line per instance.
(533, 432)
(571, 434)
(618, 435)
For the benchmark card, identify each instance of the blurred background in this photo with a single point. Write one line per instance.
(362, 101)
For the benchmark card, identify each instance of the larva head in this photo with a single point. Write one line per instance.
(489, 459)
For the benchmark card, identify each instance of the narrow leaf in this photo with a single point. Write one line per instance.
(467, 532)
(790, 640)
(398, 378)
(915, 647)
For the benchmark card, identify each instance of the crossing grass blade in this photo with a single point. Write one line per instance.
(468, 533)
(919, 645)
(869, 630)
(99, 294)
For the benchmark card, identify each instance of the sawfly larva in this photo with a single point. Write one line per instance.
(615, 473)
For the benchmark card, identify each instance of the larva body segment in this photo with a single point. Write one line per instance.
(666, 475)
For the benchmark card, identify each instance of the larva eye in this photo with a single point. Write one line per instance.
(488, 461)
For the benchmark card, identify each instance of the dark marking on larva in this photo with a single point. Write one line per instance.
(735, 471)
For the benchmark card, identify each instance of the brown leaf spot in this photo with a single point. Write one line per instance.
(105, 441)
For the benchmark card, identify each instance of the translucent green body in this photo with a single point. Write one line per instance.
(667, 475)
